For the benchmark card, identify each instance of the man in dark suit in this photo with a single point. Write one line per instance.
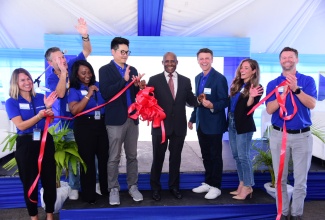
(173, 105)
(210, 119)
(121, 130)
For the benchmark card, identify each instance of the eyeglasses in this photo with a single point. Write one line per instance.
(123, 52)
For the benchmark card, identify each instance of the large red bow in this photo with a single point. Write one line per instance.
(147, 108)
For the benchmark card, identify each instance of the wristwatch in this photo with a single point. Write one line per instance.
(297, 91)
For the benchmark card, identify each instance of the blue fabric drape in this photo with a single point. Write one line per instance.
(149, 17)
(321, 89)
(239, 212)
(11, 191)
(156, 46)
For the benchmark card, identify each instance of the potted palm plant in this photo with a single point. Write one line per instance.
(263, 159)
(65, 152)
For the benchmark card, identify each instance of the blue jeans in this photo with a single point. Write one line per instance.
(74, 180)
(240, 146)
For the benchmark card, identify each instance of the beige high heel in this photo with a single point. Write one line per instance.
(237, 192)
(245, 192)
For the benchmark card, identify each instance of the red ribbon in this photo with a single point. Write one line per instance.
(40, 158)
(47, 123)
(99, 106)
(146, 106)
(283, 113)
(266, 98)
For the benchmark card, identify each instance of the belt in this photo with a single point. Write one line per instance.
(20, 135)
(91, 117)
(293, 131)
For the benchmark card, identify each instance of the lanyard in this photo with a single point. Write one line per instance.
(34, 108)
(95, 97)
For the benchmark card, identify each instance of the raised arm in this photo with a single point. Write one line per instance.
(83, 31)
(61, 87)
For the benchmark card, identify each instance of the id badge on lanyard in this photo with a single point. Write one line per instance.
(97, 115)
(36, 134)
(36, 131)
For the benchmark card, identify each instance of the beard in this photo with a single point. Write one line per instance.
(288, 67)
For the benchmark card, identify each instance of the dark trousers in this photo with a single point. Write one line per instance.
(175, 147)
(27, 152)
(92, 140)
(211, 149)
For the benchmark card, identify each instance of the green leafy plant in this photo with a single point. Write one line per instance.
(318, 129)
(264, 158)
(10, 142)
(65, 151)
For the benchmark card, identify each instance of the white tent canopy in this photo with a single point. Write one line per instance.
(270, 24)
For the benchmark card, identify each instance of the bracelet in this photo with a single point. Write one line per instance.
(85, 38)
(39, 117)
(86, 97)
(48, 107)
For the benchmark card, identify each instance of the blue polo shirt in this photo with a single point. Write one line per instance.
(234, 99)
(51, 83)
(77, 95)
(203, 80)
(21, 107)
(302, 118)
(122, 72)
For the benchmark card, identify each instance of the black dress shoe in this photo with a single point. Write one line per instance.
(296, 218)
(284, 217)
(176, 193)
(156, 195)
(92, 202)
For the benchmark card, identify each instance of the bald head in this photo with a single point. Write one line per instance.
(171, 54)
(170, 62)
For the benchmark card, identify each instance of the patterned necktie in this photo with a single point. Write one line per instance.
(171, 84)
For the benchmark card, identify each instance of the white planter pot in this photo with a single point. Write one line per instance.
(271, 191)
(62, 194)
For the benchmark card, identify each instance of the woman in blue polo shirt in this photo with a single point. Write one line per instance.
(89, 129)
(28, 110)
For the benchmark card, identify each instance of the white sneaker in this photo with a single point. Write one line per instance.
(74, 194)
(201, 189)
(213, 193)
(98, 189)
(135, 194)
(114, 197)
